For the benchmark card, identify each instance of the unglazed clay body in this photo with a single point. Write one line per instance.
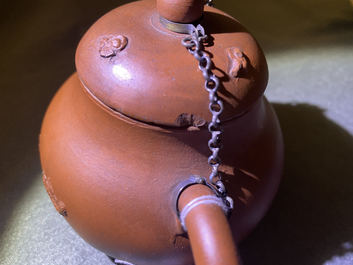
(130, 125)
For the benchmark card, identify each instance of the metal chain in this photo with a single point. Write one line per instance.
(194, 44)
(209, 3)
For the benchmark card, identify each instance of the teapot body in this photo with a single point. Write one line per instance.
(113, 177)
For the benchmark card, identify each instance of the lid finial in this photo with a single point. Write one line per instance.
(181, 11)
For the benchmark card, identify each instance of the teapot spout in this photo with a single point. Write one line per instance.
(207, 227)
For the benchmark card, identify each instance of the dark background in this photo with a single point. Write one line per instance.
(309, 46)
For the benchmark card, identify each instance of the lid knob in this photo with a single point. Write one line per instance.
(181, 11)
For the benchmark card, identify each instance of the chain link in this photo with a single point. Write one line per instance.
(194, 44)
(209, 3)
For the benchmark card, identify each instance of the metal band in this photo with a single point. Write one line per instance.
(193, 180)
(202, 200)
(183, 28)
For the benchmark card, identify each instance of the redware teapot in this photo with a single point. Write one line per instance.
(161, 134)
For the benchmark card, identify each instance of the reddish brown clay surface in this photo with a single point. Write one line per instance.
(181, 11)
(208, 230)
(154, 69)
(114, 176)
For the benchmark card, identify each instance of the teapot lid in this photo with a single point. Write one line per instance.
(134, 65)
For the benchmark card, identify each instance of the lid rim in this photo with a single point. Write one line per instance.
(145, 124)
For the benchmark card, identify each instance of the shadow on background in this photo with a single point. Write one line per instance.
(312, 212)
(294, 24)
(311, 218)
